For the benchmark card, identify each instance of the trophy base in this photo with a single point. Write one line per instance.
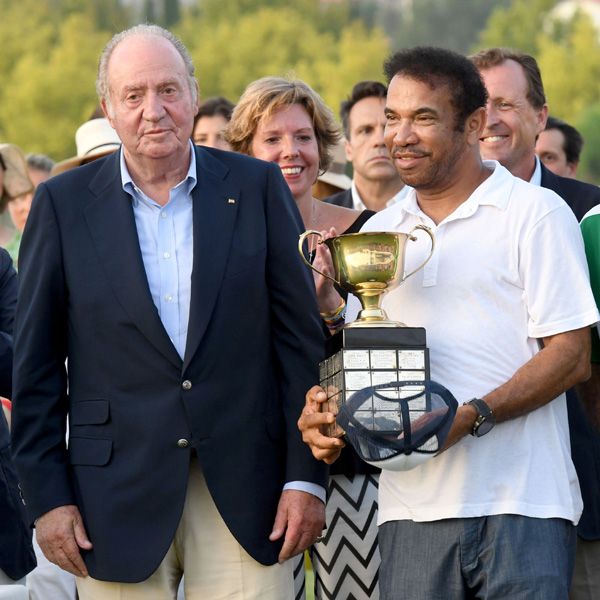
(364, 356)
(374, 337)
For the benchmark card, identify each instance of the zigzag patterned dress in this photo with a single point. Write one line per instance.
(346, 562)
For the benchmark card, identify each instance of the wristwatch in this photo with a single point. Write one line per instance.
(485, 420)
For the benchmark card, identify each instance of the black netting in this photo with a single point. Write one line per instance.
(400, 417)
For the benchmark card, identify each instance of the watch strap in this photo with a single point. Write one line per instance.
(484, 414)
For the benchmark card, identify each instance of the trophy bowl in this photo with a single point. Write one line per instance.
(368, 264)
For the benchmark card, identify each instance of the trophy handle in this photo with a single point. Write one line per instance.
(413, 238)
(303, 237)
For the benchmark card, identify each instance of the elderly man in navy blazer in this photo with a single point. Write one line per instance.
(167, 276)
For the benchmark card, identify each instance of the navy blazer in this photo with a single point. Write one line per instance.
(16, 553)
(580, 196)
(253, 346)
(585, 439)
(343, 198)
(8, 301)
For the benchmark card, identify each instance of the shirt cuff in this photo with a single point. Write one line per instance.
(310, 488)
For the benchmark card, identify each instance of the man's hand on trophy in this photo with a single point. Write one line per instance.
(313, 421)
(327, 296)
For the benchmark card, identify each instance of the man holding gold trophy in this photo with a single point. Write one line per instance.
(506, 304)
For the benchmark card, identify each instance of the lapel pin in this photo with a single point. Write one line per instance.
(230, 201)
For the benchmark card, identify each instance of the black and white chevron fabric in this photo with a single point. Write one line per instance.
(346, 562)
(299, 578)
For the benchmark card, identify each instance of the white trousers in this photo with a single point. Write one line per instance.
(6, 580)
(48, 581)
(12, 589)
(215, 565)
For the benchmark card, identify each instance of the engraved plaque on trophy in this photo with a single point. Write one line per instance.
(373, 350)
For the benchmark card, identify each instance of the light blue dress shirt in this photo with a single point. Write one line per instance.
(166, 237)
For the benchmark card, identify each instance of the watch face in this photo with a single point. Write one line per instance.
(482, 428)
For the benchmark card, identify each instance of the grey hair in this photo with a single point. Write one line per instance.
(40, 162)
(145, 30)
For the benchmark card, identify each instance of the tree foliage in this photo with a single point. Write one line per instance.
(50, 50)
(571, 68)
(516, 25)
(55, 94)
(439, 23)
(589, 125)
(26, 28)
(281, 41)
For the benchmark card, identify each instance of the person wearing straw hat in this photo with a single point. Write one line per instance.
(15, 178)
(38, 170)
(94, 139)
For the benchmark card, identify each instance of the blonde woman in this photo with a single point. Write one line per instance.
(286, 122)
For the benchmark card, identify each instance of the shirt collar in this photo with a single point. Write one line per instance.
(132, 189)
(358, 204)
(494, 191)
(536, 178)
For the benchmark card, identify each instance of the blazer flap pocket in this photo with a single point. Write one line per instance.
(89, 412)
(90, 451)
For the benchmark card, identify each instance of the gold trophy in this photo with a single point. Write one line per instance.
(373, 350)
(368, 265)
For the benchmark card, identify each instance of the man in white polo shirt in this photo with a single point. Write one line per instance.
(507, 307)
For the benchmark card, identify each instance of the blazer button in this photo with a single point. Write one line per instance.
(187, 385)
(183, 443)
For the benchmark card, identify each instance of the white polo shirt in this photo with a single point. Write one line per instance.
(508, 268)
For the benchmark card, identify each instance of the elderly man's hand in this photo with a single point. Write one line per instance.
(311, 424)
(301, 516)
(60, 534)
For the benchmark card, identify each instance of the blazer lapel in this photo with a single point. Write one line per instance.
(214, 214)
(110, 219)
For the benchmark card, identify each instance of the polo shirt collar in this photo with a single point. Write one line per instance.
(494, 191)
